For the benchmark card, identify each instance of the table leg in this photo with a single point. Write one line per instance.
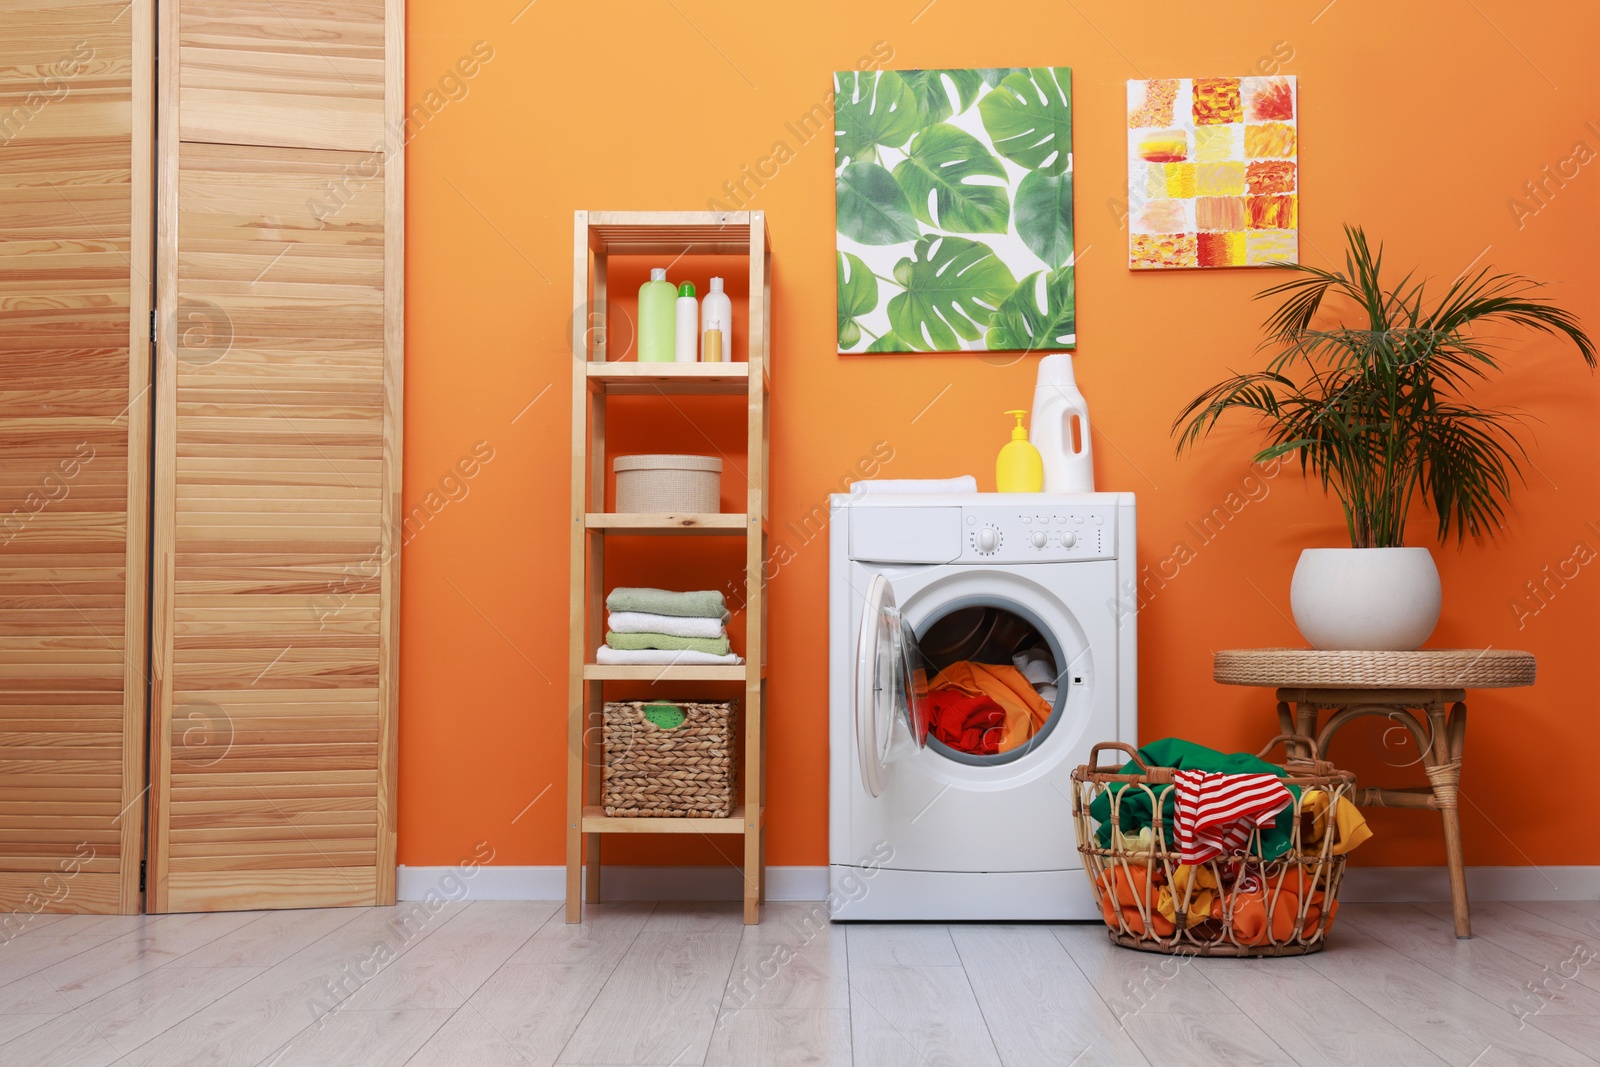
(1443, 765)
(1305, 724)
(1285, 718)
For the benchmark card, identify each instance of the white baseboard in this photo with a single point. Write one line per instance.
(1361, 884)
(1375, 885)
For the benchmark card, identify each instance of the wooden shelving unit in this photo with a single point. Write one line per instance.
(669, 234)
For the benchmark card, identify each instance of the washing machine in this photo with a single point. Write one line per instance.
(922, 829)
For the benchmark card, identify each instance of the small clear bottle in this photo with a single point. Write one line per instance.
(716, 317)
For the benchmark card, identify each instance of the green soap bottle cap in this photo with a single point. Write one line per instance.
(686, 289)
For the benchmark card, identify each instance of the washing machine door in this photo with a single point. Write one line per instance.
(891, 688)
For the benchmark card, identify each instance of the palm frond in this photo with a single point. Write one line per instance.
(1377, 412)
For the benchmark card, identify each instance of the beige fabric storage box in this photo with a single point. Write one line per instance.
(673, 484)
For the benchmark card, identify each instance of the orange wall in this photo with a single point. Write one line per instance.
(1419, 120)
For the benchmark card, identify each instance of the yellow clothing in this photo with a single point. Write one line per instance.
(1204, 892)
(1350, 828)
(1025, 709)
(1143, 841)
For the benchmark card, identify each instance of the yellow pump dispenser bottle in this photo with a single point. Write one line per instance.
(1019, 468)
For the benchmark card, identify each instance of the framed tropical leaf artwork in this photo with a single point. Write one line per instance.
(954, 210)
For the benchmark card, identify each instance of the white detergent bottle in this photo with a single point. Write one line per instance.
(1060, 429)
(685, 342)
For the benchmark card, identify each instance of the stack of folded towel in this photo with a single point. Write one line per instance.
(664, 627)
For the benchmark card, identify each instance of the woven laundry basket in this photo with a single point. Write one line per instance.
(1253, 905)
(666, 483)
(669, 759)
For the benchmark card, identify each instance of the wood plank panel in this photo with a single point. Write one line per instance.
(294, 73)
(277, 457)
(75, 291)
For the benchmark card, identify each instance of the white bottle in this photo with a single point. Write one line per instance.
(716, 313)
(1060, 429)
(687, 316)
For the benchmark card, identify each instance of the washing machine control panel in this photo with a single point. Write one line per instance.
(1047, 534)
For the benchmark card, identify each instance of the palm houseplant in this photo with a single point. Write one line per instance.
(1378, 408)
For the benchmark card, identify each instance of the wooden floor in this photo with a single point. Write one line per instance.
(487, 984)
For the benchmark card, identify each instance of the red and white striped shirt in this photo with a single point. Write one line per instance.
(1216, 813)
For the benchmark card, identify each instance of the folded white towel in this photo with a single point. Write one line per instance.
(663, 657)
(964, 484)
(642, 622)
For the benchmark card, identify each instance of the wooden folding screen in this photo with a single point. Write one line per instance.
(277, 454)
(75, 280)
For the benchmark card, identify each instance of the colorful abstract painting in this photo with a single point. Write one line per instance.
(1212, 173)
(954, 210)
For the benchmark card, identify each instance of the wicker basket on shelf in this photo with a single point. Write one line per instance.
(666, 758)
(1248, 904)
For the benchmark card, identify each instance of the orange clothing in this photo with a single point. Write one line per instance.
(1025, 709)
(1249, 909)
(1125, 890)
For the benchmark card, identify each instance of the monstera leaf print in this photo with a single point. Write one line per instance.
(952, 288)
(889, 342)
(871, 108)
(947, 166)
(858, 294)
(1029, 117)
(1044, 215)
(1039, 313)
(933, 88)
(872, 208)
(950, 185)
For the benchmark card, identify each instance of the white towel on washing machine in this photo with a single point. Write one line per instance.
(964, 484)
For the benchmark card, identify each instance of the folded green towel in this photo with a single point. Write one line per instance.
(716, 646)
(703, 604)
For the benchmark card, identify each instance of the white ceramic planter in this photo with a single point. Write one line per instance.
(1378, 599)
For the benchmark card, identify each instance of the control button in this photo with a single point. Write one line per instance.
(1099, 520)
(987, 539)
(1061, 520)
(1040, 539)
(1026, 520)
(1069, 539)
(972, 520)
(1078, 519)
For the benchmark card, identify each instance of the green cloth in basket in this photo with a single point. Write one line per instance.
(1134, 809)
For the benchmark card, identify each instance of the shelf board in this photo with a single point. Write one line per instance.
(633, 377)
(727, 523)
(654, 233)
(596, 821)
(654, 672)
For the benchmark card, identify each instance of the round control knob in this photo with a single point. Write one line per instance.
(988, 539)
(1040, 539)
(1069, 539)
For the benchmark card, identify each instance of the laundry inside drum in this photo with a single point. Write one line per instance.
(993, 680)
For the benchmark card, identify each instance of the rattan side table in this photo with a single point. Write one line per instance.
(1423, 691)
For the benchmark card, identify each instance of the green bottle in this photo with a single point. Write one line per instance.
(656, 313)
